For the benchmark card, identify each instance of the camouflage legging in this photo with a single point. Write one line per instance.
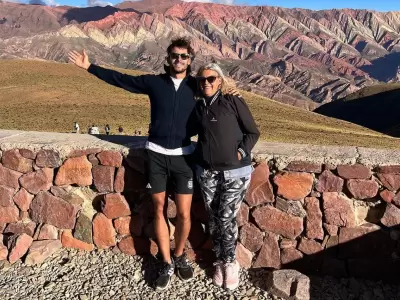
(222, 199)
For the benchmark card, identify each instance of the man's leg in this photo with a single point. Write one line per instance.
(182, 229)
(161, 227)
(157, 172)
(182, 176)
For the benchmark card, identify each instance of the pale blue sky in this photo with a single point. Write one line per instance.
(382, 5)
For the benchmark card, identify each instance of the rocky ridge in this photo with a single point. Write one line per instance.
(296, 56)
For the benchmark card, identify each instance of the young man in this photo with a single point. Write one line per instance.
(172, 100)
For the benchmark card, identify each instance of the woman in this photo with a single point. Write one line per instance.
(226, 135)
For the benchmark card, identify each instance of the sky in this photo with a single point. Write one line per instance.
(379, 5)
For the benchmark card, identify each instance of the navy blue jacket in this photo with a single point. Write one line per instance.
(169, 109)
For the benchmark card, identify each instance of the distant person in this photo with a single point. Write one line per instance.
(121, 130)
(76, 127)
(226, 135)
(140, 133)
(89, 130)
(135, 132)
(172, 99)
(107, 129)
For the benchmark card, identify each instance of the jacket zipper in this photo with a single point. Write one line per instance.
(209, 151)
(173, 114)
(173, 108)
(209, 144)
(209, 130)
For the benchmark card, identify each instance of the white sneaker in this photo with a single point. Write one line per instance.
(218, 278)
(232, 275)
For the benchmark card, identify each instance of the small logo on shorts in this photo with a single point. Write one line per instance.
(148, 186)
(190, 184)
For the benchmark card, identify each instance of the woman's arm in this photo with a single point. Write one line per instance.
(247, 125)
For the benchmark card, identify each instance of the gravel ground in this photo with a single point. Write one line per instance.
(106, 275)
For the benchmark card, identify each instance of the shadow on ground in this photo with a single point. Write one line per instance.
(94, 13)
(357, 262)
(379, 112)
(384, 68)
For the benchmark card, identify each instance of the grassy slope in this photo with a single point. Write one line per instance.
(372, 90)
(48, 96)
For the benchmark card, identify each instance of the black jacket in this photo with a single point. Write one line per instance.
(224, 126)
(169, 109)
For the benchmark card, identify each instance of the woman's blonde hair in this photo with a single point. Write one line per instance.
(216, 68)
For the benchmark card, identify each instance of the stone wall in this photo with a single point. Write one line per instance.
(320, 210)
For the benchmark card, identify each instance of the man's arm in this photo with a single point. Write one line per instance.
(192, 125)
(134, 84)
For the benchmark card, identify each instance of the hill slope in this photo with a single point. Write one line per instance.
(376, 107)
(48, 96)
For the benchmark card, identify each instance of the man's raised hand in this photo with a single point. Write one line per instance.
(81, 60)
(233, 91)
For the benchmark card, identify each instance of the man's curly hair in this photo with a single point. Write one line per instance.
(181, 42)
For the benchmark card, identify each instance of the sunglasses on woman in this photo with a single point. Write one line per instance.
(184, 56)
(209, 79)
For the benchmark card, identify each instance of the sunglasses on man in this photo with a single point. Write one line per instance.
(209, 79)
(184, 56)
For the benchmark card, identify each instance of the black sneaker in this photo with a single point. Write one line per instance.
(164, 276)
(184, 269)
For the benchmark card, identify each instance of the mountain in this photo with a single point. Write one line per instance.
(296, 56)
(375, 107)
(48, 96)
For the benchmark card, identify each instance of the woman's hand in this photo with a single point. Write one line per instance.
(239, 155)
(81, 60)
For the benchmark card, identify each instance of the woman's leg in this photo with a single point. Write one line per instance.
(233, 192)
(210, 185)
(232, 196)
